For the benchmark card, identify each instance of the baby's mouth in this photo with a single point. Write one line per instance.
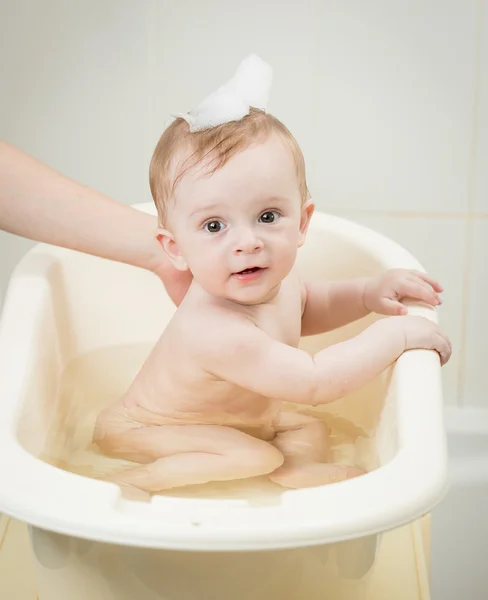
(248, 271)
(248, 275)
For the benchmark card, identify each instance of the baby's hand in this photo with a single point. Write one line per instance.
(383, 294)
(421, 333)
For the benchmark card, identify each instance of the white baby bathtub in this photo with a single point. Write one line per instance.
(91, 542)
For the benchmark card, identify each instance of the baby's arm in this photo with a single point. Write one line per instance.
(333, 304)
(327, 306)
(246, 356)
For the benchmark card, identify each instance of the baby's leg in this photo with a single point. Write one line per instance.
(303, 441)
(179, 455)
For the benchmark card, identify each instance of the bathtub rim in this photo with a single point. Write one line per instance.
(49, 498)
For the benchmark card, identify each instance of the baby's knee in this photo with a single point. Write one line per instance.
(259, 459)
(108, 443)
(109, 426)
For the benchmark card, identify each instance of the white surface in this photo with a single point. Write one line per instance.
(480, 180)
(460, 522)
(61, 304)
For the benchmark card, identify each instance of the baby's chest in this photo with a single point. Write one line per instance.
(283, 322)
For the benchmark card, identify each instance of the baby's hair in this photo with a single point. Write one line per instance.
(213, 147)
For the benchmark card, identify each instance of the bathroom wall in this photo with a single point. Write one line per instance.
(388, 99)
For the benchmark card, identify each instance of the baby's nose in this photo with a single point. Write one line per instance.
(247, 242)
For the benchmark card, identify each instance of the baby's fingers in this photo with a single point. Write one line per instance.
(444, 349)
(390, 306)
(432, 282)
(418, 290)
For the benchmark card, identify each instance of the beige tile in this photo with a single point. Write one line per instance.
(475, 381)
(440, 246)
(194, 50)
(481, 172)
(396, 99)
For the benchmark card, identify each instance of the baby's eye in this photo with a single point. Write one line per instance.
(269, 216)
(214, 226)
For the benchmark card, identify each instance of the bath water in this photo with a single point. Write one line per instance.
(93, 380)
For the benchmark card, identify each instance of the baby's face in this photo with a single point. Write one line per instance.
(239, 229)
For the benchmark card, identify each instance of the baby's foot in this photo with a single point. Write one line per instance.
(313, 474)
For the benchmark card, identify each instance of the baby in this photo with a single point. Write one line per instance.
(206, 406)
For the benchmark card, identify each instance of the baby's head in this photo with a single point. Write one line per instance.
(233, 204)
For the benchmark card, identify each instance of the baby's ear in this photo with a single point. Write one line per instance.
(171, 249)
(306, 215)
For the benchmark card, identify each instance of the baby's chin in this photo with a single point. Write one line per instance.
(247, 296)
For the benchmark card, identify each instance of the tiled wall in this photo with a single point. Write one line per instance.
(388, 99)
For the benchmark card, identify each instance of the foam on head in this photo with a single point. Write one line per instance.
(180, 150)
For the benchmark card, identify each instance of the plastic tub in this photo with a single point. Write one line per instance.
(62, 307)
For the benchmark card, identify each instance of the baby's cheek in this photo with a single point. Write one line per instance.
(289, 249)
(211, 265)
